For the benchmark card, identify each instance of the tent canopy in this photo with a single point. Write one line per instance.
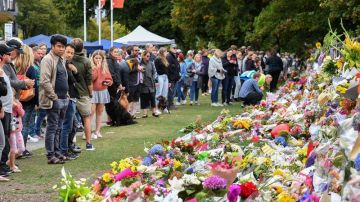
(41, 38)
(107, 44)
(140, 36)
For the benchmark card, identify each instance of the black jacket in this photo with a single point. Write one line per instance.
(250, 65)
(275, 63)
(174, 68)
(3, 89)
(115, 71)
(229, 67)
(124, 75)
(160, 67)
(72, 80)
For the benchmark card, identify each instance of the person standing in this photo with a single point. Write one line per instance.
(115, 71)
(6, 96)
(149, 48)
(162, 69)
(205, 61)
(230, 66)
(216, 74)
(174, 74)
(181, 87)
(84, 87)
(53, 96)
(275, 67)
(147, 86)
(101, 77)
(197, 70)
(68, 132)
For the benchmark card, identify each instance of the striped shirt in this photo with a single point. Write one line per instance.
(248, 86)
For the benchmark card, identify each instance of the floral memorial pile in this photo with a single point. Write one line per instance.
(299, 144)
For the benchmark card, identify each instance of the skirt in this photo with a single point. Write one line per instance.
(100, 97)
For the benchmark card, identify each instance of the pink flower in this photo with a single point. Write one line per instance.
(125, 173)
(234, 192)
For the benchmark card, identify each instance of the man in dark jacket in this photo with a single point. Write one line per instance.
(174, 74)
(115, 71)
(275, 67)
(205, 61)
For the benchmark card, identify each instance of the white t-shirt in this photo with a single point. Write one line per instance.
(7, 100)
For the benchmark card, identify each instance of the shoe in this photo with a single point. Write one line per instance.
(98, 134)
(220, 105)
(225, 104)
(89, 147)
(32, 139)
(158, 112)
(76, 155)
(83, 137)
(4, 179)
(54, 160)
(144, 116)
(4, 173)
(214, 105)
(75, 149)
(26, 154)
(93, 136)
(183, 102)
(166, 111)
(197, 103)
(70, 156)
(191, 102)
(5, 168)
(155, 114)
(15, 170)
(177, 103)
(80, 129)
(61, 157)
(230, 103)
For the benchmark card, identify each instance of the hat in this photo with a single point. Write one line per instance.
(5, 49)
(16, 44)
(173, 46)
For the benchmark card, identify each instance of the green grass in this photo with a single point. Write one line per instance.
(117, 143)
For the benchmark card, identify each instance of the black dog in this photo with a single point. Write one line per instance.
(119, 115)
(162, 105)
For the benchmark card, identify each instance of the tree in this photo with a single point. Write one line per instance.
(289, 24)
(39, 17)
(119, 30)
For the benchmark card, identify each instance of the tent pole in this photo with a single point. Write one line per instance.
(99, 21)
(111, 22)
(84, 20)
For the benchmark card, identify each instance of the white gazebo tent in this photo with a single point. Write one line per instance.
(140, 36)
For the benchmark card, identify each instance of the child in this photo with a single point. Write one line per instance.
(16, 139)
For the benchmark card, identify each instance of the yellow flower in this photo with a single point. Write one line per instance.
(285, 197)
(113, 164)
(278, 172)
(318, 45)
(106, 177)
(177, 164)
(339, 64)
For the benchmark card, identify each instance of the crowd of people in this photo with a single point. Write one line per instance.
(63, 88)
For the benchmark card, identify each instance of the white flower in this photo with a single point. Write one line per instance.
(141, 168)
(176, 184)
(151, 169)
(190, 179)
(171, 197)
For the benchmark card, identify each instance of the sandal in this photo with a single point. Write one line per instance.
(15, 169)
(4, 179)
(145, 116)
(98, 134)
(155, 115)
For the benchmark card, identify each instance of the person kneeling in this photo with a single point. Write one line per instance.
(250, 92)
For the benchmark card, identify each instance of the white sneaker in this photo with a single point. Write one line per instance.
(225, 104)
(197, 103)
(191, 102)
(32, 139)
(214, 105)
(94, 136)
(220, 105)
(99, 135)
(158, 112)
(177, 103)
(183, 102)
(166, 111)
(83, 137)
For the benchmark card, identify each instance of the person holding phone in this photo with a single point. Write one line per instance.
(102, 79)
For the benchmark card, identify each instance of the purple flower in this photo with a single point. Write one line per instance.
(357, 162)
(157, 149)
(234, 192)
(214, 183)
(280, 140)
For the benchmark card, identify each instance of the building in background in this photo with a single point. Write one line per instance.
(9, 7)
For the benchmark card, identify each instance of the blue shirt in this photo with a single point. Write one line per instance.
(249, 86)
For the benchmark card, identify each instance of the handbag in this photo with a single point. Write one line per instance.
(26, 94)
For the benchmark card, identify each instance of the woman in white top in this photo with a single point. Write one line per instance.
(216, 74)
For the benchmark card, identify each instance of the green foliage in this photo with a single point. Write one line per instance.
(39, 17)
(119, 30)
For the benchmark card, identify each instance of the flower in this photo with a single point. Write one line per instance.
(147, 161)
(278, 172)
(157, 149)
(214, 183)
(176, 184)
(285, 197)
(247, 188)
(357, 162)
(125, 173)
(280, 140)
(191, 179)
(234, 192)
(318, 45)
(106, 177)
(177, 164)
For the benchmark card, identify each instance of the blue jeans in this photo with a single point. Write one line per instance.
(32, 123)
(55, 119)
(226, 88)
(214, 89)
(78, 119)
(163, 86)
(181, 93)
(26, 119)
(39, 119)
(67, 126)
(194, 91)
(237, 86)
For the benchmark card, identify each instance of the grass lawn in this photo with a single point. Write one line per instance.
(118, 142)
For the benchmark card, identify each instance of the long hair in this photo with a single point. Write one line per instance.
(104, 66)
(24, 61)
(162, 56)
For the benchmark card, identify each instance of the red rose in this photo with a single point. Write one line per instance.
(247, 188)
(148, 190)
(255, 138)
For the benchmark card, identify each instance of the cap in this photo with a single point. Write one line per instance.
(4, 49)
(16, 44)
(173, 46)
